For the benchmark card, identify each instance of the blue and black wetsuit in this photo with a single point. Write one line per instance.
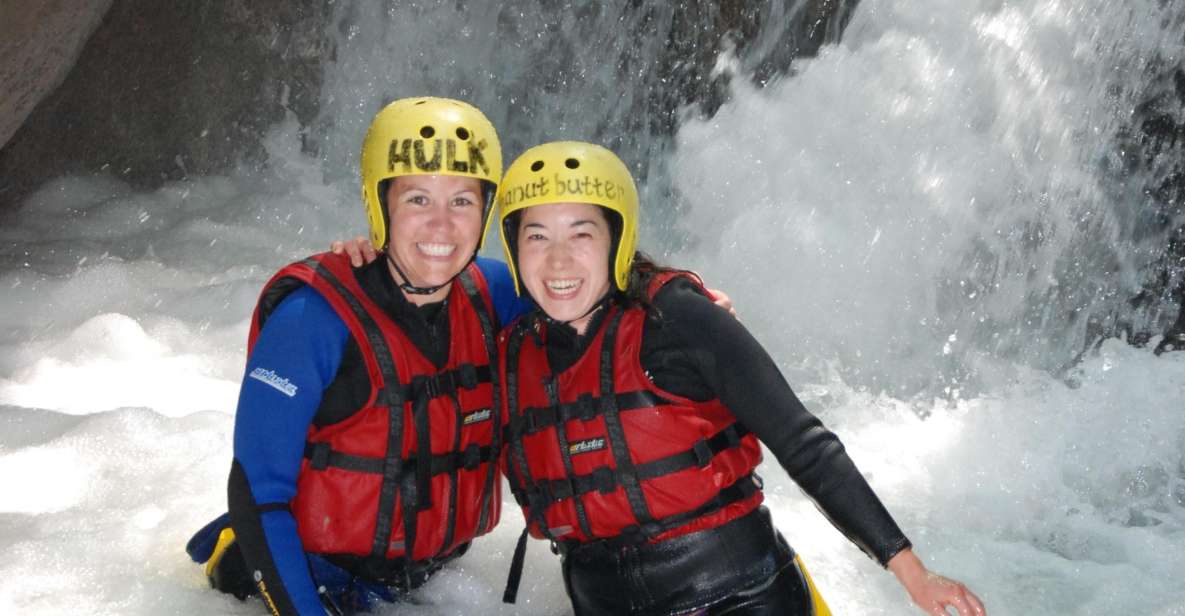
(307, 369)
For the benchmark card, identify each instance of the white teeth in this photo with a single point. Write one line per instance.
(436, 250)
(563, 286)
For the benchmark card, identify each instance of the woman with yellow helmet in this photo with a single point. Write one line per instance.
(634, 412)
(365, 436)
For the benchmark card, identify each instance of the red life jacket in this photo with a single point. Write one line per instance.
(599, 451)
(354, 492)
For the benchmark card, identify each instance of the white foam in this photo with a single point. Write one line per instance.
(833, 219)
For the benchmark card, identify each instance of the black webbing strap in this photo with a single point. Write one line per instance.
(585, 407)
(551, 384)
(322, 456)
(409, 495)
(605, 480)
(389, 396)
(423, 472)
(740, 489)
(447, 382)
(627, 475)
(450, 529)
(266, 507)
(510, 594)
(488, 336)
(520, 482)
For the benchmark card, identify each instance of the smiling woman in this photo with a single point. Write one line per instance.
(564, 259)
(436, 221)
(364, 437)
(636, 413)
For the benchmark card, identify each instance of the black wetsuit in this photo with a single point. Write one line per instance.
(696, 350)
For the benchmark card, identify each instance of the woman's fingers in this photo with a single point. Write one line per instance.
(359, 250)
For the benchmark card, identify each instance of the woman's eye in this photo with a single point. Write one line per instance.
(418, 199)
(531, 237)
(462, 202)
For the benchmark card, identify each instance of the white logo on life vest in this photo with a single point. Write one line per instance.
(586, 446)
(280, 383)
(477, 416)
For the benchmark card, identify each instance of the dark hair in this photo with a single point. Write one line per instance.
(642, 270)
(642, 273)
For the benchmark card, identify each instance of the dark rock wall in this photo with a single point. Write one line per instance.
(39, 42)
(166, 89)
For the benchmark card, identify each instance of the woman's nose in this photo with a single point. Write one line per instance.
(559, 253)
(438, 217)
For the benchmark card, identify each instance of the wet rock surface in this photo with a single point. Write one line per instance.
(164, 90)
(39, 43)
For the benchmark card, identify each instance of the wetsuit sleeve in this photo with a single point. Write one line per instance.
(695, 340)
(507, 303)
(296, 356)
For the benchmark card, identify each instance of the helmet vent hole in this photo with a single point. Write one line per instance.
(420, 102)
(462, 133)
(571, 163)
(427, 132)
(537, 165)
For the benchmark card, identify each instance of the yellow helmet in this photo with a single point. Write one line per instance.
(571, 172)
(427, 136)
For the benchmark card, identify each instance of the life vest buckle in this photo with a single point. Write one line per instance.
(467, 376)
(605, 480)
(471, 457)
(422, 387)
(702, 452)
(586, 407)
(559, 489)
(532, 422)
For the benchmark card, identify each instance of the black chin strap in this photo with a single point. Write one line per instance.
(408, 287)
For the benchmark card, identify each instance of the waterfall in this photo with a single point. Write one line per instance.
(925, 221)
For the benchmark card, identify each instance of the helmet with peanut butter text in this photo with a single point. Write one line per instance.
(571, 172)
(427, 136)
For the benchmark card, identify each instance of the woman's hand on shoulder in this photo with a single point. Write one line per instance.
(930, 591)
(359, 250)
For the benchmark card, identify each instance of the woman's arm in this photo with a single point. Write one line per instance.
(699, 351)
(295, 357)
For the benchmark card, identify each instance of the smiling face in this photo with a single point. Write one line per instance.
(435, 227)
(563, 259)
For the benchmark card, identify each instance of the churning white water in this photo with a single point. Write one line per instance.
(898, 222)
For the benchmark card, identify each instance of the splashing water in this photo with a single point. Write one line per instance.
(932, 190)
(914, 223)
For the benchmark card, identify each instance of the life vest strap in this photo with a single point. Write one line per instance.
(585, 408)
(605, 480)
(739, 490)
(446, 383)
(486, 316)
(322, 456)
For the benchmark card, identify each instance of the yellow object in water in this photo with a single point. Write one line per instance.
(225, 539)
(817, 602)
